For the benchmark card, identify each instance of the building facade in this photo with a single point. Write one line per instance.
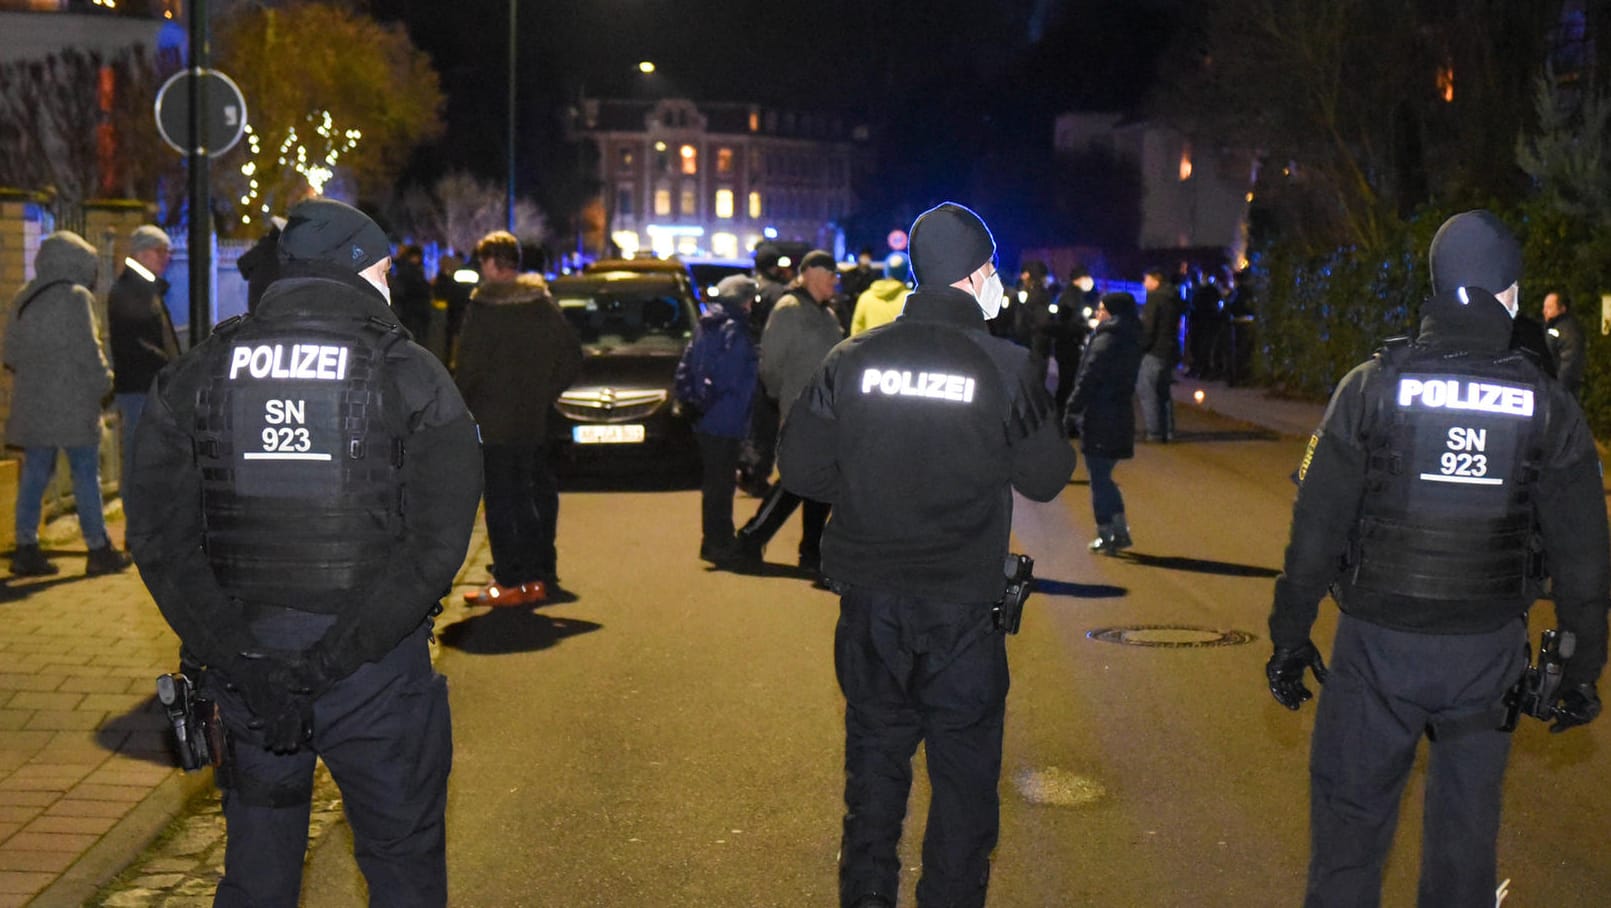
(688, 178)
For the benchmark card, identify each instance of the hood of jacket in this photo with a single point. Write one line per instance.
(525, 288)
(887, 289)
(305, 290)
(64, 255)
(719, 312)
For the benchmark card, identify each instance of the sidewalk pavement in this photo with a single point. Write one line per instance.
(1252, 405)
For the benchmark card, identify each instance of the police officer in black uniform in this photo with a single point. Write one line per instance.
(1443, 469)
(302, 494)
(917, 432)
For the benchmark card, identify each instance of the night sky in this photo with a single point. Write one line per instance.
(943, 83)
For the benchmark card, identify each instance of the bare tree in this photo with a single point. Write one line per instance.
(459, 209)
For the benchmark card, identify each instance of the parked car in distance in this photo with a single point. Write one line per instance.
(707, 272)
(633, 326)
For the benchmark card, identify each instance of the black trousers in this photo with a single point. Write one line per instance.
(1386, 688)
(918, 670)
(522, 499)
(386, 735)
(774, 511)
(718, 476)
(759, 452)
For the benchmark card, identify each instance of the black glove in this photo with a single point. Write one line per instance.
(280, 701)
(1285, 673)
(1578, 706)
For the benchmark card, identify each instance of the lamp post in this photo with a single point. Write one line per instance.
(509, 201)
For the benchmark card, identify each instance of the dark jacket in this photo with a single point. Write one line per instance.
(516, 354)
(142, 333)
(1160, 326)
(1568, 507)
(260, 266)
(732, 380)
(917, 432)
(440, 477)
(1527, 334)
(1105, 388)
(1564, 337)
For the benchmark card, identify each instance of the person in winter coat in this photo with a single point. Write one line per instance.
(1100, 403)
(516, 355)
(1160, 347)
(724, 411)
(60, 380)
(143, 340)
(882, 302)
(260, 265)
(1564, 338)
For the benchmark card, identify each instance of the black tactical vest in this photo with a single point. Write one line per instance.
(299, 435)
(1454, 447)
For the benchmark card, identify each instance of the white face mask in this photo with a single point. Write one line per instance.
(1085, 284)
(381, 285)
(990, 296)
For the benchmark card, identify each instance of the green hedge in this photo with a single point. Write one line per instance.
(1320, 317)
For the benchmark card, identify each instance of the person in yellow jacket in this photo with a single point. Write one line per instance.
(881, 302)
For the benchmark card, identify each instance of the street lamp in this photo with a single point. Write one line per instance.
(646, 67)
(509, 200)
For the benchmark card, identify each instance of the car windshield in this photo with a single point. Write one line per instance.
(613, 318)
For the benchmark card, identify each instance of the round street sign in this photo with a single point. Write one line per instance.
(222, 105)
(896, 240)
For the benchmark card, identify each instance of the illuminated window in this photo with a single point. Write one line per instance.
(724, 245)
(724, 204)
(626, 158)
(690, 199)
(724, 161)
(1185, 161)
(662, 201)
(755, 120)
(1446, 83)
(690, 159)
(623, 201)
(755, 205)
(626, 241)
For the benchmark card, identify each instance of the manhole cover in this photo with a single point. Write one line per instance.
(1172, 635)
(1054, 787)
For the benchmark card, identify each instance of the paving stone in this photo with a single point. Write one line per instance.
(53, 862)
(78, 807)
(122, 794)
(10, 798)
(118, 703)
(65, 720)
(30, 681)
(22, 882)
(51, 842)
(13, 719)
(71, 825)
(14, 813)
(97, 684)
(45, 700)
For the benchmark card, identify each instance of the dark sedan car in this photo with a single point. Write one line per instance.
(633, 327)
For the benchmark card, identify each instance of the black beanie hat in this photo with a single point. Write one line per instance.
(327, 232)
(948, 243)
(1120, 304)
(1474, 249)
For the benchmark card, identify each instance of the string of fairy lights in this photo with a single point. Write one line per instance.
(315, 159)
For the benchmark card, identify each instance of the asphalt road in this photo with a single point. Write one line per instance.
(674, 736)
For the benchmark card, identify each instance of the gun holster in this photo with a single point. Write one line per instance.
(1009, 610)
(1537, 690)
(198, 728)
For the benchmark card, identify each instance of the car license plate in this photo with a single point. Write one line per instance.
(607, 435)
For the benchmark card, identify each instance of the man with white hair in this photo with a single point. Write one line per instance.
(143, 340)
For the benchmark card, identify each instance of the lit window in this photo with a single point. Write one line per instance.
(690, 200)
(690, 159)
(1185, 161)
(724, 204)
(724, 161)
(755, 205)
(626, 241)
(626, 157)
(755, 120)
(724, 245)
(1446, 83)
(662, 202)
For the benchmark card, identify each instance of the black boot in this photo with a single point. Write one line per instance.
(29, 561)
(106, 560)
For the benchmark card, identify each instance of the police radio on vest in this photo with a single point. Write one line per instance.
(1455, 394)
(318, 362)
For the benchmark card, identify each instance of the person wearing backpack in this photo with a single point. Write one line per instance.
(716, 380)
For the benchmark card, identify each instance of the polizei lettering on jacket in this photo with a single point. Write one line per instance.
(319, 362)
(1434, 393)
(906, 383)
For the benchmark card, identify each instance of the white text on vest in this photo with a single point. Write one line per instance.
(293, 361)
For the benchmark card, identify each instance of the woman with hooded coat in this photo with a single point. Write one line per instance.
(1100, 407)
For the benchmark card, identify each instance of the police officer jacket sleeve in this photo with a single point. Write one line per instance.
(1331, 484)
(1042, 459)
(1577, 548)
(441, 477)
(808, 463)
(164, 530)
